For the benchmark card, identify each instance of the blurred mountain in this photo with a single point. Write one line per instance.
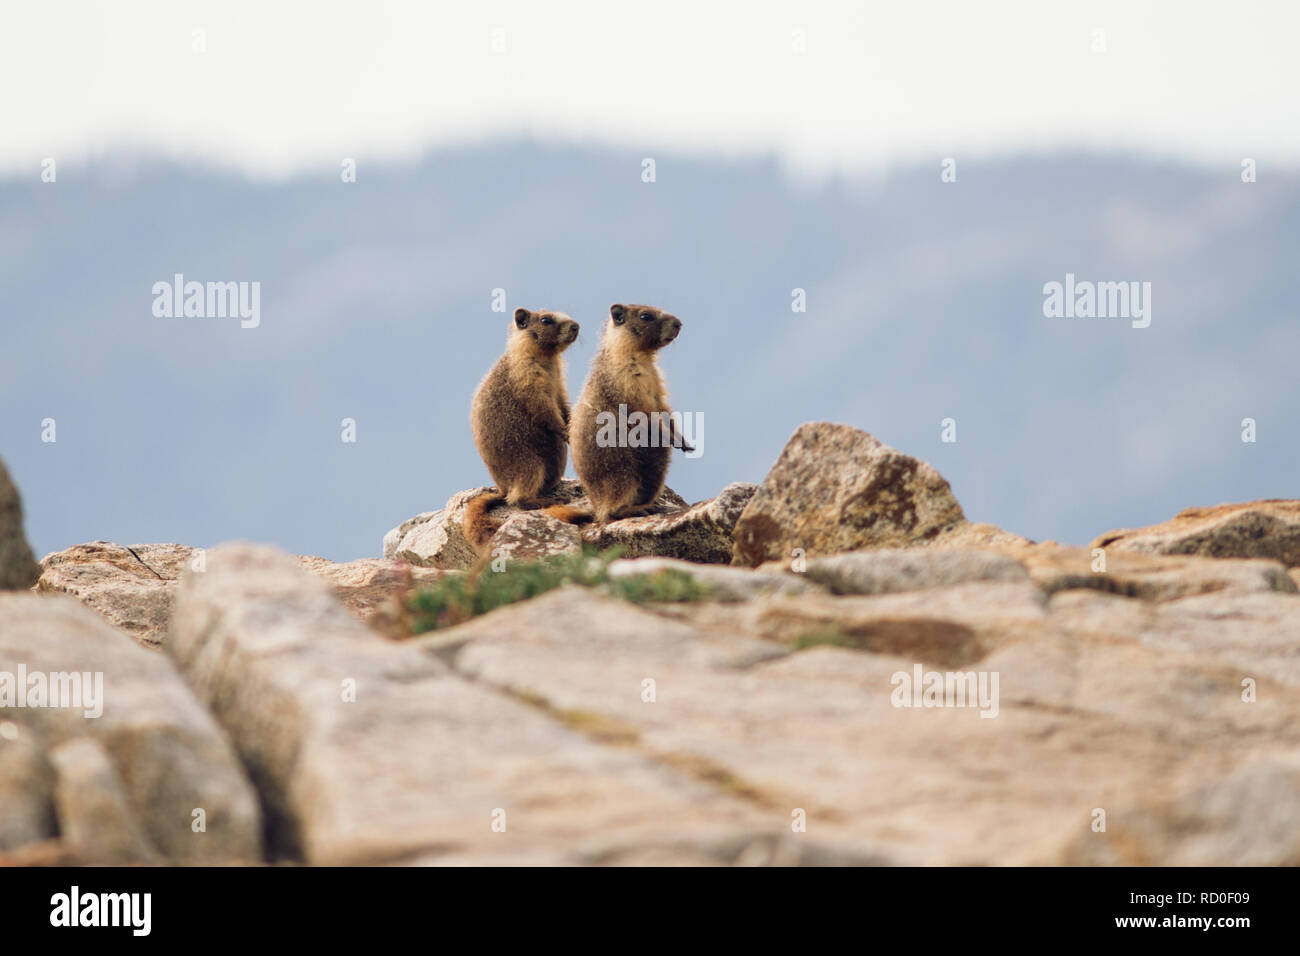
(924, 302)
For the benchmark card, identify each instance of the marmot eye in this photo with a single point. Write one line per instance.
(547, 320)
(645, 316)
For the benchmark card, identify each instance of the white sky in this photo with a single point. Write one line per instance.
(290, 86)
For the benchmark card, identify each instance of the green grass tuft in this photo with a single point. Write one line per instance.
(458, 598)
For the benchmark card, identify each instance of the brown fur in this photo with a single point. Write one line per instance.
(520, 418)
(622, 482)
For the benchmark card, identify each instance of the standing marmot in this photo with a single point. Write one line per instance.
(520, 417)
(622, 468)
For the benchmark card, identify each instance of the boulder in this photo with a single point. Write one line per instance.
(1256, 529)
(18, 568)
(835, 488)
(130, 587)
(365, 751)
(167, 756)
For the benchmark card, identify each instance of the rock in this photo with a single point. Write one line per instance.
(436, 539)
(134, 587)
(1187, 727)
(1150, 577)
(530, 535)
(1256, 529)
(980, 536)
(373, 589)
(835, 488)
(422, 762)
(26, 790)
(910, 569)
(577, 728)
(393, 539)
(1249, 818)
(44, 853)
(1082, 722)
(724, 583)
(1252, 631)
(164, 747)
(18, 568)
(95, 819)
(701, 533)
(949, 626)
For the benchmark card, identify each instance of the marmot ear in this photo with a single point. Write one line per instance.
(618, 313)
(521, 318)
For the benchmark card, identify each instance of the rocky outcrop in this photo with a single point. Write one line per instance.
(892, 684)
(148, 777)
(18, 568)
(366, 752)
(1086, 720)
(436, 539)
(134, 587)
(700, 532)
(1256, 529)
(835, 488)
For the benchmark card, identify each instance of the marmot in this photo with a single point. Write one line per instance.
(622, 458)
(520, 417)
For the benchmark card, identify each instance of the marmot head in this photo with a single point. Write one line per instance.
(645, 327)
(550, 332)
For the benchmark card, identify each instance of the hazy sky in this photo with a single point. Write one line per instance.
(281, 87)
